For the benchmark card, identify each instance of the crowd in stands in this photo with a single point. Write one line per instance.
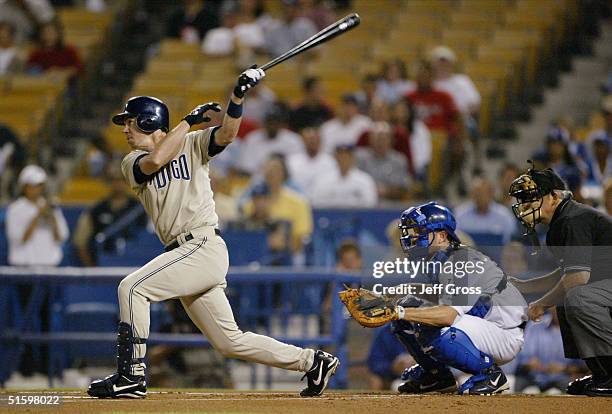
(32, 41)
(375, 147)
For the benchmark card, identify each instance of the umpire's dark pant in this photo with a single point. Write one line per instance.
(586, 322)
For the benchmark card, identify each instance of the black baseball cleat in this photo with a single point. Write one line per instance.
(579, 385)
(492, 381)
(323, 368)
(599, 388)
(118, 386)
(419, 381)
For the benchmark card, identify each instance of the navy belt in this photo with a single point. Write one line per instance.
(188, 237)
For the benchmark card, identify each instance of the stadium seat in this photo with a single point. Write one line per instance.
(140, 248)
(499, 73)
(436, 168)
(246, 246)
(88, 310)
(161, 69)
(175, 50)
(83, 190)
(486, 6)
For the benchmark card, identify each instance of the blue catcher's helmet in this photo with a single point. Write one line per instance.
(422, 220)
(151, 114)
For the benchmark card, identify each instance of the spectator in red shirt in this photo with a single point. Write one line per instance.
(439, 112)
(434, 107)
(53, 53)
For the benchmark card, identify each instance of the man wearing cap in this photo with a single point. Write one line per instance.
(580, 238)
(35, 228)
(458, 85)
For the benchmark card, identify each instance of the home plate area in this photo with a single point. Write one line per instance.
(265, 402)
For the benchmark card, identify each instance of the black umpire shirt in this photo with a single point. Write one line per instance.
(580, 237)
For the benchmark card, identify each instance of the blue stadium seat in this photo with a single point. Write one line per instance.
(87, 308)
(245, 247)
(138, 250)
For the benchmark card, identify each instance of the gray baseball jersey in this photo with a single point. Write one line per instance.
(178, 197)
(507, 308)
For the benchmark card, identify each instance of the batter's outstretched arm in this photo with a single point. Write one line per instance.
(229, 128)
(231, 121)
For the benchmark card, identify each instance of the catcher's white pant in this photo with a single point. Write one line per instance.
(503, 345)
(195, 272)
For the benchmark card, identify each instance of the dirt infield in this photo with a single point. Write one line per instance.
(333, 403)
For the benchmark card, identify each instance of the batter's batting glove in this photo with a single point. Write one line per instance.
(198, 115)
(247, 80)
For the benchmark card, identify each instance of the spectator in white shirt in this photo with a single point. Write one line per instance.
(347, 127)
(484, 216)
(346, 186)
(35, 228)
(393, 84)
(10, 60)
(305, 167)
(457, 85)
(234, 35)
(273, 138)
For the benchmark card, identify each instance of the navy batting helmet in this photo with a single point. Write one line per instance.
(151, 114)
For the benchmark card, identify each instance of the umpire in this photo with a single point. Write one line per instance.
(580, 238)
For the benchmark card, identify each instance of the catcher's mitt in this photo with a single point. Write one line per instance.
(369, 309)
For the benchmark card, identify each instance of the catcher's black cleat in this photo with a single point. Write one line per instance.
(599, 388)
(419, 381)
(579, 385)
(323, 368)
(118, 386)
(492, 381)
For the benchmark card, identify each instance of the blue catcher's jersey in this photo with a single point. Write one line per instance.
(480, 289)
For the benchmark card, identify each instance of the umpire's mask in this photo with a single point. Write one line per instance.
(529, 199)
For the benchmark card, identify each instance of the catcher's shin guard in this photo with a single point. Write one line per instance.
(406, 333)
(456, 349)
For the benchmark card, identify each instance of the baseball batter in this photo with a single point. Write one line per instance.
(168, 170)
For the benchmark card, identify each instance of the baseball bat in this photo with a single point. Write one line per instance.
(335, 29)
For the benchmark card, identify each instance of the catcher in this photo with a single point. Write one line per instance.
(474, 333)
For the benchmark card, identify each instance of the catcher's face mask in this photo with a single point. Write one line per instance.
(414, 232)
(529, 198)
